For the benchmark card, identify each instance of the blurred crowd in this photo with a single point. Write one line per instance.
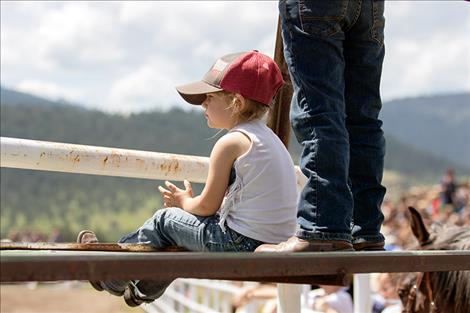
(447, 202)
(34, 236)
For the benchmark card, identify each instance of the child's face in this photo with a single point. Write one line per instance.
(217, 111)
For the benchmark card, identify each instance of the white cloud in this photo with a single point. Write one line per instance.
(129, 55)
(149, 86)
(77, 34)
(427, 49)
(187, 36)
(407, 70)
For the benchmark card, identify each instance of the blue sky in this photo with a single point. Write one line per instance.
(128, 56)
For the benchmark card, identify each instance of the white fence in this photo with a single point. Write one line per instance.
(210, 296)
(199, 296)
(183, 295)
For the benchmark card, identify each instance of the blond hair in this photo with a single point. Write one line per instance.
(244, 113)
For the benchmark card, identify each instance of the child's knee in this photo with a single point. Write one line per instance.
(165, 214)
(165, 211)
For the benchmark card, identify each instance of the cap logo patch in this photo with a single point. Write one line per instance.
(213, 73)
(220, 65)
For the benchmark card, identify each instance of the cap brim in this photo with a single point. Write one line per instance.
(195, 93)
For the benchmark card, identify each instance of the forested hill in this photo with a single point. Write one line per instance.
(112, 206)
(439, 125)
(431, 133)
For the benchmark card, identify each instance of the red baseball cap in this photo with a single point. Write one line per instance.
(251, 74)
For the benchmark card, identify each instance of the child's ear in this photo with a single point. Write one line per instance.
(241, 101)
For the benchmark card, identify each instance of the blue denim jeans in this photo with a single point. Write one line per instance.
(176, 227)
(334, 51)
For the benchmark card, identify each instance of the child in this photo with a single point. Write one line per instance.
(258, 206)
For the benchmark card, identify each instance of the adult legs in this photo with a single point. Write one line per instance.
(313, 48)
(363, 54)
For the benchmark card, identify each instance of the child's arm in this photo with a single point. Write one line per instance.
(224, 153)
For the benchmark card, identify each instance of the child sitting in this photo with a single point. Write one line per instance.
(258, 206)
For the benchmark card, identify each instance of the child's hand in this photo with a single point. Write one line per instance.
(174, 196)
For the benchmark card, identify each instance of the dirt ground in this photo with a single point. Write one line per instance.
(66, 297)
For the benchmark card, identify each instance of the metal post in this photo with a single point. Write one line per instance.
(288, 298)
(362, 299)
(305, 291)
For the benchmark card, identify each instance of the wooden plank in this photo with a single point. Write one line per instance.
(17, 265)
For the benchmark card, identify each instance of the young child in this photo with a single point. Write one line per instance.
(257, 206)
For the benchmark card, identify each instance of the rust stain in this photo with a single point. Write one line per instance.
(139, 163)
(76, 159)
(105, 160)
(42, 154)
(177, 166)
(115, 159)
(170, 166)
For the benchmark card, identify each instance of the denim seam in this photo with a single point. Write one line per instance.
(289, 30)
(300, 15)
(356, 16)
(373, 32)
(315, 199)
(239, 237)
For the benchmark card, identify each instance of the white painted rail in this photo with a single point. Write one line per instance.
(84, 159)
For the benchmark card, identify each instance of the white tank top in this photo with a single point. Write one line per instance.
(262, 201)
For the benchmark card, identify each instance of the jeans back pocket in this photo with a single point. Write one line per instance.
(322, 18)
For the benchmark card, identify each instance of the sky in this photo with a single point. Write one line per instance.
(124, 57)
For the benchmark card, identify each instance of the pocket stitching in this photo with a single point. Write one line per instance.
(328, 31)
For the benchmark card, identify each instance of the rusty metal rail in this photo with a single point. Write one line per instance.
(72, 246)
(91, 265)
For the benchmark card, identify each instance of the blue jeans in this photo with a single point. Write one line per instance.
(334, 51)
(176, 227)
